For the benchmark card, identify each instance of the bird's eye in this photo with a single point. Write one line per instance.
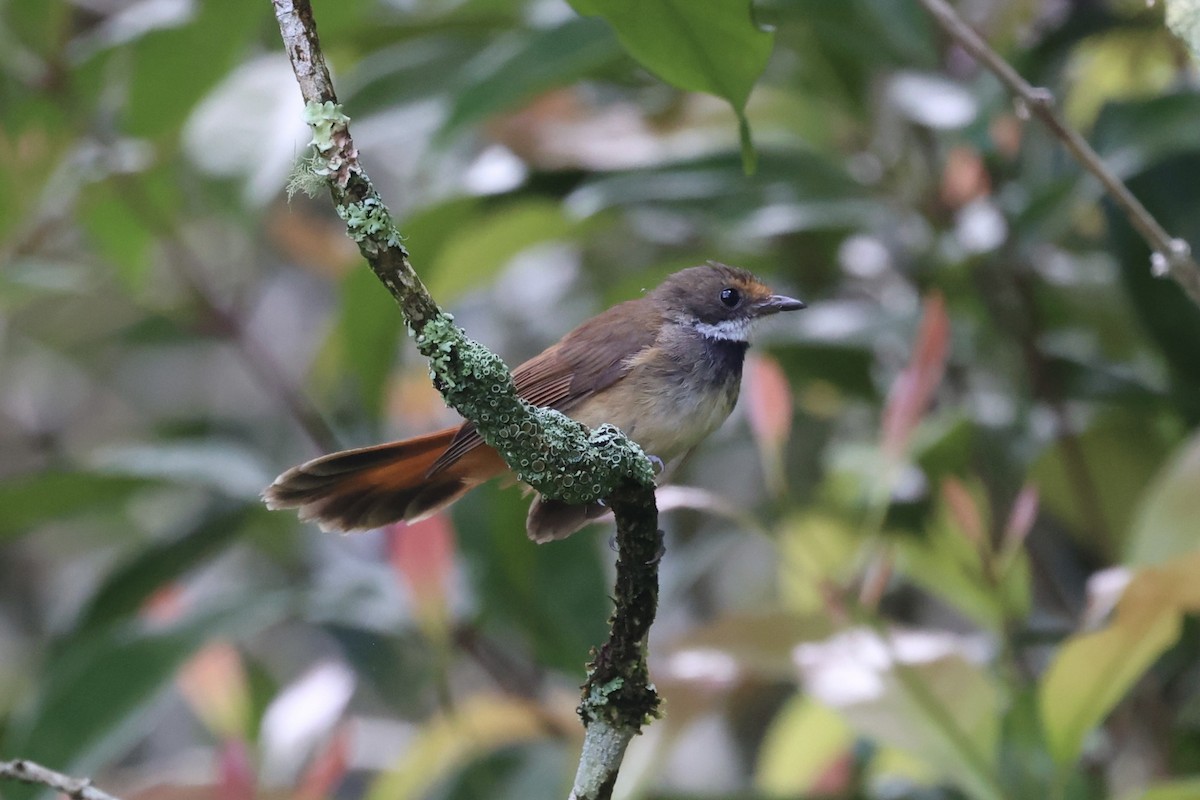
(730, 297)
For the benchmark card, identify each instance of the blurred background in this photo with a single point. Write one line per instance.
(980, 436)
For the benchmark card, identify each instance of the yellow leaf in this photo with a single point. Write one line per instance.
(804, 740)
(1092, 671)
(481, 724)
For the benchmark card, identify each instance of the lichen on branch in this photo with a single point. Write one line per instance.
(551, 452)
(557, 456)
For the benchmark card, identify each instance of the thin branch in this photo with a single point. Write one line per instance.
(1171, 256)
(257, 359)
(559, 457)
(29, 772)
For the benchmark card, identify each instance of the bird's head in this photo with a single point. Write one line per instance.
(721, 302)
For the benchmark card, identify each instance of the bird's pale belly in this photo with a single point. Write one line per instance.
(666, 419)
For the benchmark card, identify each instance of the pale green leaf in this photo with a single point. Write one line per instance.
(1184, 789)
(1093, 671)
(1165, 524)
(804, 739)
(485, 245)
(918, 691)
(370, 324)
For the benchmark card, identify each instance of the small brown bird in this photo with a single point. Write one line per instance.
(664, 368)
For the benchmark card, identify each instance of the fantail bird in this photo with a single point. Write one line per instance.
(664, 368)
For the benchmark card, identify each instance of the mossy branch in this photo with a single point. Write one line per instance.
(560, 458)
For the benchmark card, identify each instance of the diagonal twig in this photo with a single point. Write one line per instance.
(560, 458)
(74, 788)
(1171, 256)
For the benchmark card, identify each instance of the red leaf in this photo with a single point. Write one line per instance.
(1021, 518)
(915, 386)
(965, 512)
(235, 774)
(164, 606)
(327, 768)
(422, 553)
(768, 402)
(214, 684)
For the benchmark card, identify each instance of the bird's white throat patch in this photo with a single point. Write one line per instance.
(730, 330)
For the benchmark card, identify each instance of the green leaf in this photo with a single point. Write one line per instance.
(556, 595)
(712, 47)
(481, 724)
(1165, 525)
(370, 325)
(1092, 671)
(481, 249)
(29, 501)
(94, 700)
(947, 563)
(1134, 136)
(516, 772)
(117, 233)
(1182, 789)
(128, 586)
(173, 68)
(1169, 190)
(515, 69)
(803, 741)
(917, 691)
(1120, 458)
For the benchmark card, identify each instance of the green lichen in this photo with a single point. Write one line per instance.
(367, 219)
(594, 704)
(551, 452)
(325, 119)
(308, 176)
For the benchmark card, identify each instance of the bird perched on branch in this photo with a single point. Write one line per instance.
(664, 368)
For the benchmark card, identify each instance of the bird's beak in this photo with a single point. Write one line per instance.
(777, 302)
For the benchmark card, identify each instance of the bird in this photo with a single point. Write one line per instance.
(665, 368)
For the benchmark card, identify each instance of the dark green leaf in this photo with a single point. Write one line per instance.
(172, 69)
(29, 501)
(370, 324)
(555, 594)
(712, 47)
(128, 586)
(516, 68)
(117, 233)
(484, 246)
(94, 700)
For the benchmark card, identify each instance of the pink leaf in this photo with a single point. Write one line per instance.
(422, 553)
(768, 401)
(914, 388)
(965, 512)
(164, 606)
(327, 768)
(1021, 518)
(235, 774)
(214, 684)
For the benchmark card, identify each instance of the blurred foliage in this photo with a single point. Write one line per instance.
(956, 558)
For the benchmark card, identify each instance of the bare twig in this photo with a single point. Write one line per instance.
(258, 361)
(29, 772)
(1171, 256)
(558, 457)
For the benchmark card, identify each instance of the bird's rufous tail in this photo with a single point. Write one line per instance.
(373, 486)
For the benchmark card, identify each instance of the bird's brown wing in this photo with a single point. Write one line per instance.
(588, 359)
